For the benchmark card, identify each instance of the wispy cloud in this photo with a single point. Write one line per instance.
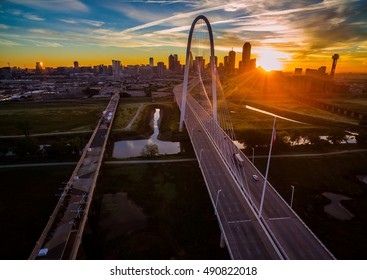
(33, 17)
(186, 16)
(8, 43)
(92, 22)
(70, 21)
(26, 15)
(53, 5)
(4, 26)
(84, 21)
(46, 44)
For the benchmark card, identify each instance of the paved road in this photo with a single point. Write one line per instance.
(47, 134)
(280, 233)
(238, 218)
(244, 234)
(177, 160)
(317, 154)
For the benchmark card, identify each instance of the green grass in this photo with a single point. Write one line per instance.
(46, 117)
(142, 126)
(125, 112)
(313, 118)
(357, 103)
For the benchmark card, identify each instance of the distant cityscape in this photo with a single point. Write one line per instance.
(116, 69)
(44, 82)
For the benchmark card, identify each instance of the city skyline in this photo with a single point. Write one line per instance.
(283, 35)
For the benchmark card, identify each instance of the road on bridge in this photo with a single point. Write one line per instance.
(279, 233)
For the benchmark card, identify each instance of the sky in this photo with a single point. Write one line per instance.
(284, 34)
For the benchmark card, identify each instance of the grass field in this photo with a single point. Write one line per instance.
(125, 112)
(357, 103)
(313, 118)
(55, 116)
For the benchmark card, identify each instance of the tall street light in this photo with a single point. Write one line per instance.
(216, 201)
(271, 145)
(273, 135)
(292, 195)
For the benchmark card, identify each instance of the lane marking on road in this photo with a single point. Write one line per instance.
(239, 221)
(280, 218)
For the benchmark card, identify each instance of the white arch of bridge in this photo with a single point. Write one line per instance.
(212, 65)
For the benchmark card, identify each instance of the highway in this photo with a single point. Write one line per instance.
(235, 216)
(235, 194)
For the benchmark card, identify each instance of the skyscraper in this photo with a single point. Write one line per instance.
(116, 69)
(226, 64)
(231, 61)
(151, 61)
(246, 55)
(246, 52)
(171, 62)
(39, 67)
(199, 62)
(174, 64)
(161, 69)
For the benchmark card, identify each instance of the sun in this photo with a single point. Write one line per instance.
(270, 59)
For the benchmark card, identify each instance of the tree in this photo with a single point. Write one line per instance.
(150, 150)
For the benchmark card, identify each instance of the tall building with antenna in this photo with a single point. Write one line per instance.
(335, 58)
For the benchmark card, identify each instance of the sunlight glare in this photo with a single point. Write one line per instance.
(270, 59)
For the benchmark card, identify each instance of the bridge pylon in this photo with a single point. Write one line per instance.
(186, 74)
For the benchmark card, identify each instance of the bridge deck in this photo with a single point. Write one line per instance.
(279, 233)
(63, 232)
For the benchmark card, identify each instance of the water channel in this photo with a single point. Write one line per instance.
(133, 148)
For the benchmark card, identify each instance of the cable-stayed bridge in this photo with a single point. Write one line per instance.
(253, 225)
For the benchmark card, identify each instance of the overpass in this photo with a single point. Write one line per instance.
(63, 233)
(235, 185)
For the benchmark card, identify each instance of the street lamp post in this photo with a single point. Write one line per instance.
(216, 201)
(253, 155)
(292, 195)
(273, 134)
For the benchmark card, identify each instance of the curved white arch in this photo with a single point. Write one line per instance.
(212, 65)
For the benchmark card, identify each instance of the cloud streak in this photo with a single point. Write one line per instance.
(83, 21)
(26, 15)
(53, 5)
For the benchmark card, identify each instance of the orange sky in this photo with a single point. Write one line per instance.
(283, 34)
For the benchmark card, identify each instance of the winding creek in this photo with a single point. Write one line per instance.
(133, 148)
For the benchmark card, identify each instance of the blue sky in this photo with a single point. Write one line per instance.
(292, 33)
